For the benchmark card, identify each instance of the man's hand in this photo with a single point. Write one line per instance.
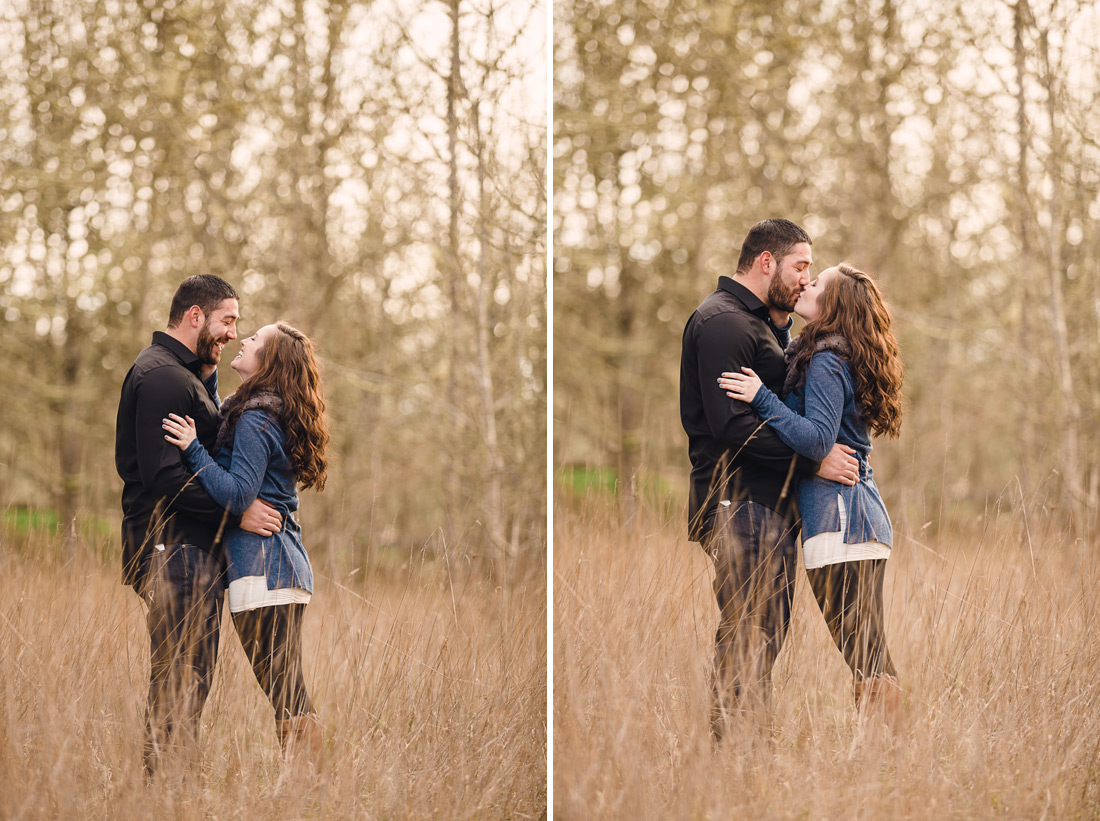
(261, 519)
(840, 466)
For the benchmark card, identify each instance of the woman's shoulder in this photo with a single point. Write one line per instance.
(829, 360)
(260, 420)
(830, 366)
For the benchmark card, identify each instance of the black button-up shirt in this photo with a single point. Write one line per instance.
(162, 502)
(734, 455)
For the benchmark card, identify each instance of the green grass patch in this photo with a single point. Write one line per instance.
(582, 481)
(27, 520)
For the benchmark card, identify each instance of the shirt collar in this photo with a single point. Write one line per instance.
(186, 356)
(747, 298)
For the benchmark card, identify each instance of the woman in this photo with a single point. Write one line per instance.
(843, 383)
(272, 437)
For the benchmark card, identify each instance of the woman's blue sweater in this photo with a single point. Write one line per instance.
(820, 412)
(256, 465)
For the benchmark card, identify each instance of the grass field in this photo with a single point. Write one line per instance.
(431, 685)
(997, 642)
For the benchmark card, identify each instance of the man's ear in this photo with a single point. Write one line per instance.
(194, 313)
(766, 260)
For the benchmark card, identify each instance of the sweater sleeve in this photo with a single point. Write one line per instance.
(814, 434)
(211, 385)
(255, 441)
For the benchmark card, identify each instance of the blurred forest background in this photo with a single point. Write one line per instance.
(948, 147)
(372, 172)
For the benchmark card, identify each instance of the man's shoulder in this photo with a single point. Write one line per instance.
(725, 307)
(159, 363)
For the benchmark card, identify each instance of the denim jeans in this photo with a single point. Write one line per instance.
(755, 553)
(184, 587)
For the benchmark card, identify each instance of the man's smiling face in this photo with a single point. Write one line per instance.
(218, 330)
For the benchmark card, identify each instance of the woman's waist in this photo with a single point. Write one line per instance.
(291, 533)
(862, 454)
(816, 493)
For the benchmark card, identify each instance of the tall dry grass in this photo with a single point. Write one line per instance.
(997, 641)
(431, 685)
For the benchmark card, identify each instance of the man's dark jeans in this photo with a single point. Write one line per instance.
(755, 552)
(184, 588)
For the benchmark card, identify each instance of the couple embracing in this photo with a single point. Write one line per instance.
(209, 502)
(779, 434)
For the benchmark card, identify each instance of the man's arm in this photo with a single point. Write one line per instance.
(724, 343)
(165, 390)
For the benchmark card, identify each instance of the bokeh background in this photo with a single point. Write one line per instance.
(372, 172)
(945, 147)
(949, 148)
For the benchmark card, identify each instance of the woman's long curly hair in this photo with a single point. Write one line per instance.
(852, 307)
(288, 369)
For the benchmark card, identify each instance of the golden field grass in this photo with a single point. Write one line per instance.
(997, 642)
(431, 685)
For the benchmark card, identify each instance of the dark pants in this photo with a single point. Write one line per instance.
(850, 598)
(755, 552)
(183, 587)
(272, 640)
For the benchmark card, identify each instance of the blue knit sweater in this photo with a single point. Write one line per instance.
(256, 464)
(819, 413)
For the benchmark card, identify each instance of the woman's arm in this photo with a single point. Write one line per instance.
(814, 434)
(254, 442)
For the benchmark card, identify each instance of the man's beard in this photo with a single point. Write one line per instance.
(780, 296)
(206, 349)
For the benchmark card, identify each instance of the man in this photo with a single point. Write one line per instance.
(743, 507)
(171, 528)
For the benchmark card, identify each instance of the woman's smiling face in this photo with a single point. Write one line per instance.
(807, 305)
(247, 362)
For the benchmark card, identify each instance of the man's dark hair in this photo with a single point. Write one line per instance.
(776, 236)
(205, 290)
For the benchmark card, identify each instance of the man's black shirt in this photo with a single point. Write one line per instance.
(162, 502)
(734, 455)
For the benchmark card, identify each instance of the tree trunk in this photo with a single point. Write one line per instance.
(451, 485)
(494, 464)
(1027, 442)
(1070, 410)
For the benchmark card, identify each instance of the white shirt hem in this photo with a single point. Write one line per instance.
(251, 593)
(829, 548)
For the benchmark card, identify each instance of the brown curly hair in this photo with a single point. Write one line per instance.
(288, 369)
(852, 307)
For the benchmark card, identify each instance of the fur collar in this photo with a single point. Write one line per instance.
(832, 342)
(261, 401)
